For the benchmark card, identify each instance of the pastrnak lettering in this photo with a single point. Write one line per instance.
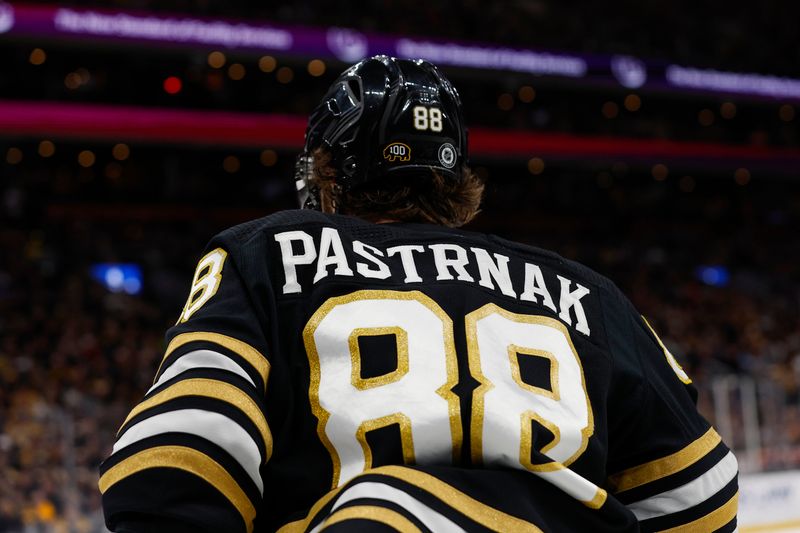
(397, 152)
(328, 257)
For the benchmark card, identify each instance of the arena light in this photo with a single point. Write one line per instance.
(343, 44)
(113, 171)
(526, 94)
(109, 123)
(741, 176)
(150, 27)
(633, 102)
(118, 277)
(610, 110)
(713, 275)
(705, 117)
(659, 171)
(493, 57)
(72, 81)
(727, 110)
(732, 82)
(173, 85)
(37, 57)
(216, 59)
(535, 166)
(267, 63)
(268, 158)
(316, 67)
(231, 164)
(505, 102)
(86, 158)
(285, 75)
(46, 148)
(236, 72)
(13, 156)
(121, 151)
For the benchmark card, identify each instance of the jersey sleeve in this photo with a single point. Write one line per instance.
(666, 463)
(193, 449)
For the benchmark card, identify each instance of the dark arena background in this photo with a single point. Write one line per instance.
(658, 143)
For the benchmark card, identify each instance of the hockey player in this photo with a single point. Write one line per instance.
(362, 365)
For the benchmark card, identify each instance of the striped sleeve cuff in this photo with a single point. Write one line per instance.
(204, 417)
(693, 489)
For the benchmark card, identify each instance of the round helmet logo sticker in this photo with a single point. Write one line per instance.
(447, 155)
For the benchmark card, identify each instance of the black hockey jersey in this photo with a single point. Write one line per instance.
(330, 373)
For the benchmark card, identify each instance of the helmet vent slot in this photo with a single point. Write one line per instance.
(355, 89)
(333, 107)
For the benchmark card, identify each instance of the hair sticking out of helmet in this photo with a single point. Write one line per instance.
(385, 118)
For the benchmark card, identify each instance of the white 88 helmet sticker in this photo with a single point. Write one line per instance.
(447, 155)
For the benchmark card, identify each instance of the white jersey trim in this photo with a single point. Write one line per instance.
(200, 359)
(431, 519)
(209, 425)
(693, 493)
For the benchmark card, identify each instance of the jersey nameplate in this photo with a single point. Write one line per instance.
(327, 256)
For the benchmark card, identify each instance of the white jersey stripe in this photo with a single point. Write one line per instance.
(693, 493)
(201, 359)
(572, 483)
(209, 425)
(380, 491)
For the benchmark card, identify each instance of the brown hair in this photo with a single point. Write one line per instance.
(427, 197)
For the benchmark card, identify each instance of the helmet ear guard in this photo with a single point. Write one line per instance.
(384, 118)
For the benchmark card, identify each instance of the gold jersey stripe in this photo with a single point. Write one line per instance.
(190, 460)
(247, 352)
(485, 515)
(712, 521)
(377, 514)
(659, 468)
(210, 388)
(489, 517)
(599, 499)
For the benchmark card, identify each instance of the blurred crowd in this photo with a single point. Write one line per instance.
(75, 357)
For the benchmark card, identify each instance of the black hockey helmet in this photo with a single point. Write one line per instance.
(381, 118)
